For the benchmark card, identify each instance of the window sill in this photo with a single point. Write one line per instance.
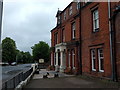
(95, 30)
(101, 71)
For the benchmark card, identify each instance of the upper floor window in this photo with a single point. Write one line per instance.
(64, 15)
(78, 5)
(101, 60)
(63, 35)
(70, 10)
(95, 20)
(73, 30)
(56, 38)
(59, 19)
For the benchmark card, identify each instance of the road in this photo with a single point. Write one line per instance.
(10, 71)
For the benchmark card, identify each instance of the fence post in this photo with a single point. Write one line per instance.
(14, 81)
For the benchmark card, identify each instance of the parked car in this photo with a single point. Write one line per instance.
(4, 63)
(14, 63)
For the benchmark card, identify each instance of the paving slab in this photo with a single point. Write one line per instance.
(67, 81)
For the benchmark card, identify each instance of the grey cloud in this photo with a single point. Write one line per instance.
(29, 22)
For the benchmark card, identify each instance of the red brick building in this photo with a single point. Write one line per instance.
(82, 43)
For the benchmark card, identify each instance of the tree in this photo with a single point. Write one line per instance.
(41, 51)
(19, 57)
(8, 50)
(24, 57)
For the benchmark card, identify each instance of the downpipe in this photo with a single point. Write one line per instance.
(112, 53)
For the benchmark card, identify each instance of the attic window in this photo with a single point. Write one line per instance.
(59, 19)
(70, 10)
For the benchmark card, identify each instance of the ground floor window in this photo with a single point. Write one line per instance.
(93, 59)
(101, 60)
(97, 56)
(54, 58)
(73, 58)
(69, 55)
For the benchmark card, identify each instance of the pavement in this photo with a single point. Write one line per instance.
(67, 81)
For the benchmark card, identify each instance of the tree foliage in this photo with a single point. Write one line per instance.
(24, 57)
(41, 51)
(8, 50)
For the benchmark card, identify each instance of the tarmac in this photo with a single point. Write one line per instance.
(68, 81)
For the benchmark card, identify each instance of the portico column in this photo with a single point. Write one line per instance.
(62, 62)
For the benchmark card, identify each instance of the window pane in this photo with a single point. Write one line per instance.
(73, 30)
(102, 64)
(93, 60)
(101, 60)
(95, 20)
(94, 63)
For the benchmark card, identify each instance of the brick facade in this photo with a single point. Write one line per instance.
(83, 39)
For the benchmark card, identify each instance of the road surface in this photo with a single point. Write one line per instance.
(10, 71)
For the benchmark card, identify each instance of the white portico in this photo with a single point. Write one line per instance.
(60, 57)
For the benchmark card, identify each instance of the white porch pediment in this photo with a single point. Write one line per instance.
(61, 47)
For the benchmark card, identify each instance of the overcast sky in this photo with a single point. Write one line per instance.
(30, 21)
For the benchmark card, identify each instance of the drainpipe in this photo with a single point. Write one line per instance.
(1, 13)
(112, 54)
(80, 40)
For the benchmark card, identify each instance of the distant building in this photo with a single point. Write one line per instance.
(86, 39)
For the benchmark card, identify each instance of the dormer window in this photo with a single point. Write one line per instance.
(64, 15)
(78, 5)
(70, 10)
(59, 19)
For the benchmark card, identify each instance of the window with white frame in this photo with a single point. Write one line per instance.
(73, 31)
(56, 38)
(54, 58)
(101, 60)
(78, 5)
(70, 10)
(73, 58)
(59, 19)
(93, 59)
(69, 56)
(65, 15)
(95, 20)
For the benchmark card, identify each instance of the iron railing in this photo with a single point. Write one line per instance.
(14, 81)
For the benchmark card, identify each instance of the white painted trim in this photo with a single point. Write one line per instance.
(99, 58)
(94, 19)
(92, 60)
